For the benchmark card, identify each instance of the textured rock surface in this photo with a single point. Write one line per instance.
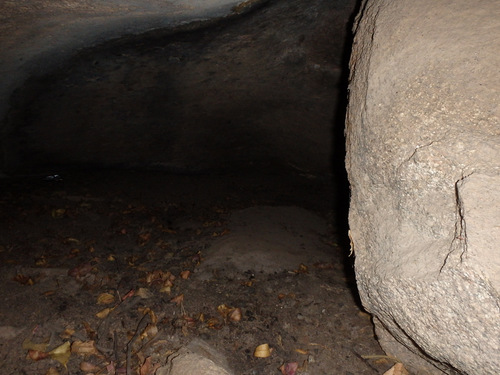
(423, 144)
(197, 358)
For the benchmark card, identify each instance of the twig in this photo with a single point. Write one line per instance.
(140, 327)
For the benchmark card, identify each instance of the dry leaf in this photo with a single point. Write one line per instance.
(289, 368)
(62, 353)
(262, 351)
(89, 367)
(104, 313)
(178, 300)
(397, 369)
(105, 299)
(22, 279)
(67, 333)
(146, 367)
(302, 269)
(84, 347)
(185, 274)
(301, 351)
(235, 315)
(37, 355)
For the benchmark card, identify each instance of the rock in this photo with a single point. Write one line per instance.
(197, 358)
(268, 239)
(423, 156)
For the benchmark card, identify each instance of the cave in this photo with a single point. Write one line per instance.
(257, 187)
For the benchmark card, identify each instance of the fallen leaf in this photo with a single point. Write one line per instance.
(104, 313)
(302, 269)
(89, 367)
(23, 279)
(62, 353)
(37, 355)
(185, 274)
(235, 315)
(178, 300)
(262, 351)
(105, 299)
(67, 333)
(289, 368)
(84, 347)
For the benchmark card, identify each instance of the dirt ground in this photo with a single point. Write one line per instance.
(84, 258)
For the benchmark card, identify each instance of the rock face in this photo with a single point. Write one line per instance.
(423, 157)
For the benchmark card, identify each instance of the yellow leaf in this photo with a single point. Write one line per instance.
(262, 351)
(62, 353)
(104, 313)
(105, 299)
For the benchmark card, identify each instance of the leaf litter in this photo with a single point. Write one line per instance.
(131, 294)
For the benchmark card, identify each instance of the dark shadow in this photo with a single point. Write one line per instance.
(341, 203)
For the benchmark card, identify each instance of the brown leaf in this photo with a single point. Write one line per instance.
(23, 279)
(84, 347)
(235, 315)
(146, 367)
(178, 300)
(37, 355)
(185, 274)
(105, 299)
(89, 367)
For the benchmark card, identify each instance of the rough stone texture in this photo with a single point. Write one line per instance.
(197, 358)
(423, 144)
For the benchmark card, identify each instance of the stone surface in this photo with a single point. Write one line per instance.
(268, 239)
(197, 358)
(423, 157)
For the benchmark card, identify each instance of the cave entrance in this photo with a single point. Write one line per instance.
(200, 170)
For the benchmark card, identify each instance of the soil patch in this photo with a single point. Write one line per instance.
(232, 261)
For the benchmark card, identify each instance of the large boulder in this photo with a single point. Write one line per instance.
(423, 158)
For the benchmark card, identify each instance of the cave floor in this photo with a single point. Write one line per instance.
(236, 261)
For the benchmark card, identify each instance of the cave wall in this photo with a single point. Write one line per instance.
(147, 85)
(423, 156)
